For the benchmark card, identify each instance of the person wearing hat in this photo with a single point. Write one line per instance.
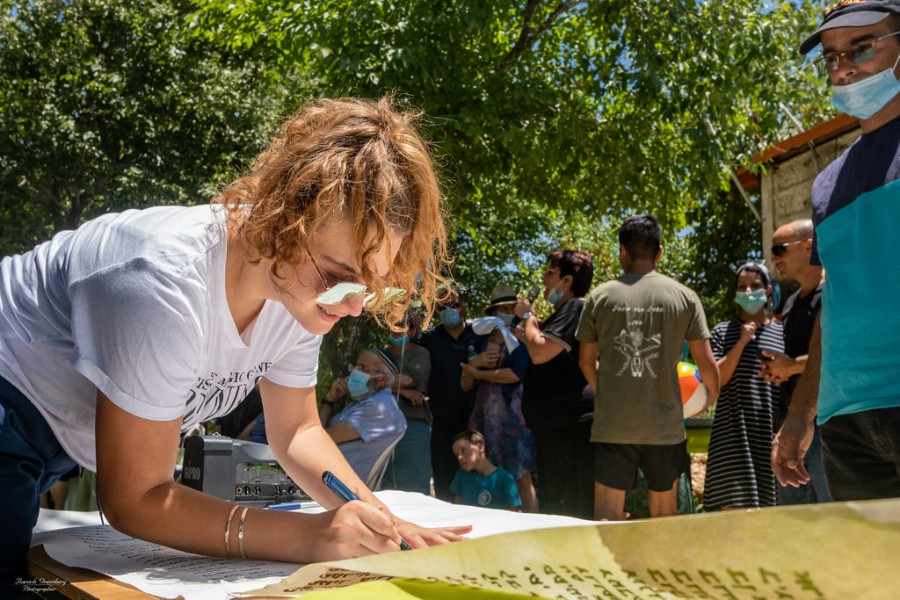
(371, 422)
(850, 386)
(503, 301)
(497, 375)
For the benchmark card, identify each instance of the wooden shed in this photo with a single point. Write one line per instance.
(790, 166)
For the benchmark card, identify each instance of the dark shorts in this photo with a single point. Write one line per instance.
(616, 465)
(862, 454)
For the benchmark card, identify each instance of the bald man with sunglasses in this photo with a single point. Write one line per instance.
(850, 386)
(791, 248)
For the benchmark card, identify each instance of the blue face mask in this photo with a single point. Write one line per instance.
(864, 98)
(554, 295)
(450, 318)
(398, 341)
(505, 318)
(358, 384)
(751, 302)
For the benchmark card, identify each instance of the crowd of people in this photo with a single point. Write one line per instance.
(118, 336)
(572, 409)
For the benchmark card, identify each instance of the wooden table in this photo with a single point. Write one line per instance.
(77, 583)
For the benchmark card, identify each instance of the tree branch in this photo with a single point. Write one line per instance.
(525, 34)
(527, 37)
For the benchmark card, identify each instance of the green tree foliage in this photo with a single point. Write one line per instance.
(555, 118)
(727, 235)
(551, 119)
(109, 105)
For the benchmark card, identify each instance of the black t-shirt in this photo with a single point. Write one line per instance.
(552, 396)
(799, 317)
(245, 413)
(446, 397)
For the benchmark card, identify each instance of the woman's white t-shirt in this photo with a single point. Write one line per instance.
(133, 304)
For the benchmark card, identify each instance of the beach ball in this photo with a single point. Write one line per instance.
(693, 392)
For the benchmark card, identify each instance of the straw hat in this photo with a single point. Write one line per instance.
(501, 295)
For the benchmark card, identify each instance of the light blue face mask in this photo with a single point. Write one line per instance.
(358, 384)
(751, 302)
(555, 295)
(505, 318)
(450, 317)
(398, 341)
(864, 98)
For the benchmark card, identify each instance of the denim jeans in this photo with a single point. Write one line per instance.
(410, 468)
(817, 489)
(31, 460)
(862, 454)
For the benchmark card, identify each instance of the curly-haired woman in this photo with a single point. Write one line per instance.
(117, 336)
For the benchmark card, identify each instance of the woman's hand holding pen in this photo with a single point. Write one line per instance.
(394, 528)
(353, 529)
(359, 529)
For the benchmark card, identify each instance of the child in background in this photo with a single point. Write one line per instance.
(479, 482)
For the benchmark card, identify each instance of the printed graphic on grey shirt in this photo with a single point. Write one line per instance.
(637, 349)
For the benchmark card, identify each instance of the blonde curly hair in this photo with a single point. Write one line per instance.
(360, 159)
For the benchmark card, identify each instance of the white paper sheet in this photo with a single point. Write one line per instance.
(168, 573)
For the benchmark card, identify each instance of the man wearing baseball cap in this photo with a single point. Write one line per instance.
(854, 358)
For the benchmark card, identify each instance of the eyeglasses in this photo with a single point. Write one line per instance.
(831, 62)
(340, 291)
(780, 249)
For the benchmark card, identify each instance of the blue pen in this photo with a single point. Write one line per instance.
(346, 494)
(292, 505)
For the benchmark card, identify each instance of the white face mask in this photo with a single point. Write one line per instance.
(864, 98)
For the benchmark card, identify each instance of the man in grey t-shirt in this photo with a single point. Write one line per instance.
(632, 332)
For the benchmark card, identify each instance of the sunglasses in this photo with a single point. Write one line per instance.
(780, 249)
(338, 292)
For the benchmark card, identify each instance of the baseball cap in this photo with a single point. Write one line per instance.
(851, 13)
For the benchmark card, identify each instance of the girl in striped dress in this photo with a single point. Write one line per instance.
(738, 473)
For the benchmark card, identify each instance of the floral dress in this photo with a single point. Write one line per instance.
(498, 416)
